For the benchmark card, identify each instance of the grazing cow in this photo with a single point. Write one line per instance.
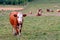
(16, 20)
(49, 10)
(39, 13)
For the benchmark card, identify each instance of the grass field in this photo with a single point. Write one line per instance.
(34, 28)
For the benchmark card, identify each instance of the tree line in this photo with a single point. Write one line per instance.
(14, 2)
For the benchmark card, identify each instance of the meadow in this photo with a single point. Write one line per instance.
(34, 28)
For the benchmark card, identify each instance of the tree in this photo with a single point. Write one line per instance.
(14, 2)
(30, 0)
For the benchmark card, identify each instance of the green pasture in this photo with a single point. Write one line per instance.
(34, 28)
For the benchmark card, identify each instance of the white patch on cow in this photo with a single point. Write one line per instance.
(20, 16)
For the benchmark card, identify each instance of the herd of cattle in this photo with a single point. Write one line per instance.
(40, 11)
(16, 19)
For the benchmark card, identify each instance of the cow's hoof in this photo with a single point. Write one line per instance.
(15, 34)
(19, 34)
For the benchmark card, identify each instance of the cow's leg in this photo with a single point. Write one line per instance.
(15, 30)
(20, 28)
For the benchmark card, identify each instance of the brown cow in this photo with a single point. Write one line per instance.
(16, 20)
(39, 13)
(49, 10)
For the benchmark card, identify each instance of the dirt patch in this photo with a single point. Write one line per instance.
(10, 8)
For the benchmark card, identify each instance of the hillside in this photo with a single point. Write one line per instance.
(43, 4)
(47, 1)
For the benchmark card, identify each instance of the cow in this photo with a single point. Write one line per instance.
(58, 10)
(30, 12)
(39, 13)
(49, 10)
(16, 20)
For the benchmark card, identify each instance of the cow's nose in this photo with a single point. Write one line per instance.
(20, 22)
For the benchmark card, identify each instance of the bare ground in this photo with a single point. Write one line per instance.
(10, 8)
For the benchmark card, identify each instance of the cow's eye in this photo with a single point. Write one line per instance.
(15, 15)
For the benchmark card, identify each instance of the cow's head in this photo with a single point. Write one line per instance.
(19, 17)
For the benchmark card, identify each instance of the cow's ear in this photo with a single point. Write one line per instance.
(24, 15)
(15, 15)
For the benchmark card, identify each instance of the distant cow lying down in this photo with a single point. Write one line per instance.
(16, 20)
(58, 10)
(49, 10)
(39, 13)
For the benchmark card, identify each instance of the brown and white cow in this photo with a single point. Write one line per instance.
(49, 10)
(16, 20)
(39, 12)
